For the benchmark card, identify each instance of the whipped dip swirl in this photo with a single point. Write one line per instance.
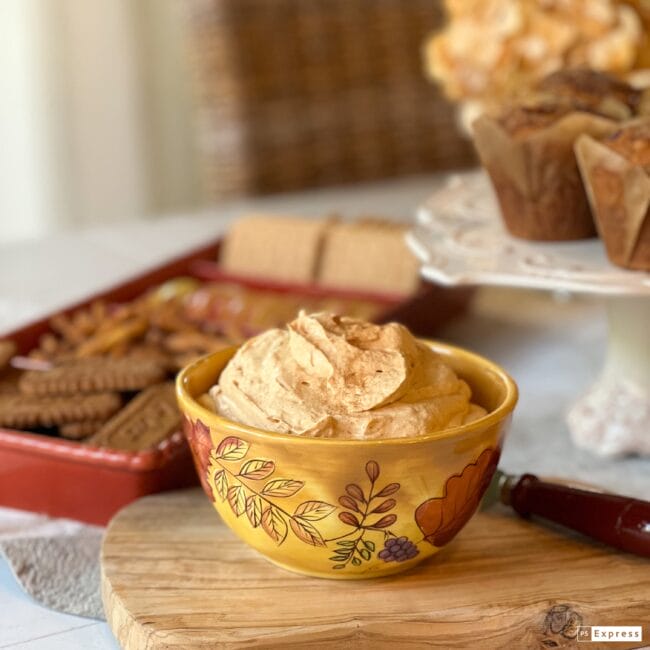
(336, 377)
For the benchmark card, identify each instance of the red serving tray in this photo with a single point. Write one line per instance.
(64, 478)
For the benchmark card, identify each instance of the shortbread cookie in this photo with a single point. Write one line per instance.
(80, 430)
(23, 411)
(145, 421)
(93, 375)
(9, 381)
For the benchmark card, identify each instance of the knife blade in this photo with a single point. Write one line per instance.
(618, 521)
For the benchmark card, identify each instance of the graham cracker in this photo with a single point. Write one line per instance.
(274, 247)
(368, 255)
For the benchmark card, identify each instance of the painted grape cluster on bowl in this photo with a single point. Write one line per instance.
(347, 509)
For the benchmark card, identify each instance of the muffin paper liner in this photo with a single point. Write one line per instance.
(536, 177)
(619, 193)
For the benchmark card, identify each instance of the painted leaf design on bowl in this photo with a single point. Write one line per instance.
(246, 487)
(236, 496)
(314, 510)
(254, 509)
(282, 487)
(257, 469)
(221, 486)
(231, 448)
(274, 524)
(306, 532)
(198, 435)
(441, 518)
(249, 487)
(365, 515)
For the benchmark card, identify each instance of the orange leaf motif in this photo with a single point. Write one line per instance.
(306, 532)
(314, 510)
(237, 499)
(441, 518)
(254, 505)
(220, 481)
(257, 469)
(232, 449)
(274, 524)
(281, 487)
(198, 435)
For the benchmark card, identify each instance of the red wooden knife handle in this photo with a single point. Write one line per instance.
(621, 522)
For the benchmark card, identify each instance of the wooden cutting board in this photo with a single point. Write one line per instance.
(174, 576)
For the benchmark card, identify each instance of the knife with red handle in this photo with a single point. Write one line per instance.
(620, 522)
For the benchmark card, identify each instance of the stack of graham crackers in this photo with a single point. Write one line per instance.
(366, 255)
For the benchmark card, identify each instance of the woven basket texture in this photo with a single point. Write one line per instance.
(299, 93)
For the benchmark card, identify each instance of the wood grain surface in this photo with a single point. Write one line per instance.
(173, 576)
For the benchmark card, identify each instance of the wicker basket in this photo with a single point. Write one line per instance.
(297, 93)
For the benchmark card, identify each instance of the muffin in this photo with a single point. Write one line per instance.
(616, 172)
(528, 154)
(528, 151)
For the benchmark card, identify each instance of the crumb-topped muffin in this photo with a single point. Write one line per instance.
(528, 151)
(593, 91)
(616, 172)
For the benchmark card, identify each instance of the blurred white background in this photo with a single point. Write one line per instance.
(95, 116)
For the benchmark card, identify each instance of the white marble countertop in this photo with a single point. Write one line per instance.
(553, 347)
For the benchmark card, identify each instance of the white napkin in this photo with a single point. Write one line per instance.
(56, 561)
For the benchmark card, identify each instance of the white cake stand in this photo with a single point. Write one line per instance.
(460, 240)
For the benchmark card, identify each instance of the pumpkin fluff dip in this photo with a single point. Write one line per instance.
(330, 376)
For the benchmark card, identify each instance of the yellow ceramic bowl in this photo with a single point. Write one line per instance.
(347, 508)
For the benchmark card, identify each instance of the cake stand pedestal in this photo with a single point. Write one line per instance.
(460, 240)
